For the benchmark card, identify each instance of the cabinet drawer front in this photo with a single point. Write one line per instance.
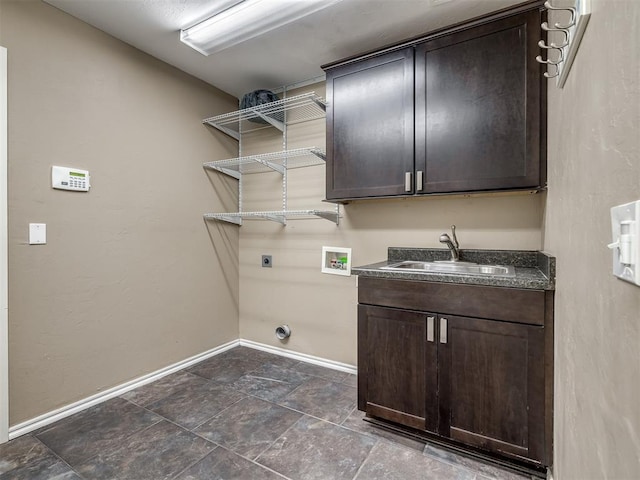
(507, 304)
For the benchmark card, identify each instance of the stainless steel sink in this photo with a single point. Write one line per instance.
(459, 268)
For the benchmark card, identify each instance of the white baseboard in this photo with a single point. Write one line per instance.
(303, 357)
(63, 412)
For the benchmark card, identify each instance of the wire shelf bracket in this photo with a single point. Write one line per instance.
(275, 216)
(307, 106)
(274, 161)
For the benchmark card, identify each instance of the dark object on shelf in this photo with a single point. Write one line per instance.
(255, 98)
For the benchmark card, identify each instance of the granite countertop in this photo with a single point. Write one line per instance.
(533, 269)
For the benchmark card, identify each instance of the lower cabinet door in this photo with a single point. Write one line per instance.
(492, 385)
(397, 351)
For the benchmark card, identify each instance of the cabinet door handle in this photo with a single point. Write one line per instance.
(431, 329)
(419, 181)
(443, 330)
(407, 181)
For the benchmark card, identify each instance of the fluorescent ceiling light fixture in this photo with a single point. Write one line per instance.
(241, 20)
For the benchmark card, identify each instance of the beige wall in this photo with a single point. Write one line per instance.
(131, 279)
(321, 308)
(594, 164)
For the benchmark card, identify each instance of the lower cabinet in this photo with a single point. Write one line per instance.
(401, 366)
(474, 381)
(492, 385)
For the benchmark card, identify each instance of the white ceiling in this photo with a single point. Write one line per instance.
(284, 56)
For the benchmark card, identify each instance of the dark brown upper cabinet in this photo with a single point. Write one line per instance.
(478, 109)
(370, 126)
(460, 110)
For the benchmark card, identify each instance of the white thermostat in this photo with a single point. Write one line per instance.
(70, 179)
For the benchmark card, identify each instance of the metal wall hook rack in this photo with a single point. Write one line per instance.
(551, 46)
(571, 31)
(564, 31)
(548, 61)
(572, 20)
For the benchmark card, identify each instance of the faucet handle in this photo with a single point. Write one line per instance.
(453, 234)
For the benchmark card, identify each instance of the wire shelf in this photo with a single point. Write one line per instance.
(268, 162)
(305, 107)
(280, 216)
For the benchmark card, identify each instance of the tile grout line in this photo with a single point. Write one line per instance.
(219, 413)
(377, 440)
(180, 426)
(307, 413)
(84, 460)
(212, 380)
(161, 398)
(217, 445)
(316, 417)
(278, 438)
(292, 367)
(230, 386)
(185, 430)
(365, 460)
(260, 464)
(296, 388)
(350, 413)
(198, 460)
(304, 414)
(311, 415)
(58, 457)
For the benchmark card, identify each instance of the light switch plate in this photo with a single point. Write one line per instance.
(37, 233)
(625, 229)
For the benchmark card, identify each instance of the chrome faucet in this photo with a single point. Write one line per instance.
(452, 244)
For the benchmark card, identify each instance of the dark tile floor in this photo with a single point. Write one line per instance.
(244, 414)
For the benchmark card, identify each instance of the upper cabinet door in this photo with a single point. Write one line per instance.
(478, 107)
(370, 127)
